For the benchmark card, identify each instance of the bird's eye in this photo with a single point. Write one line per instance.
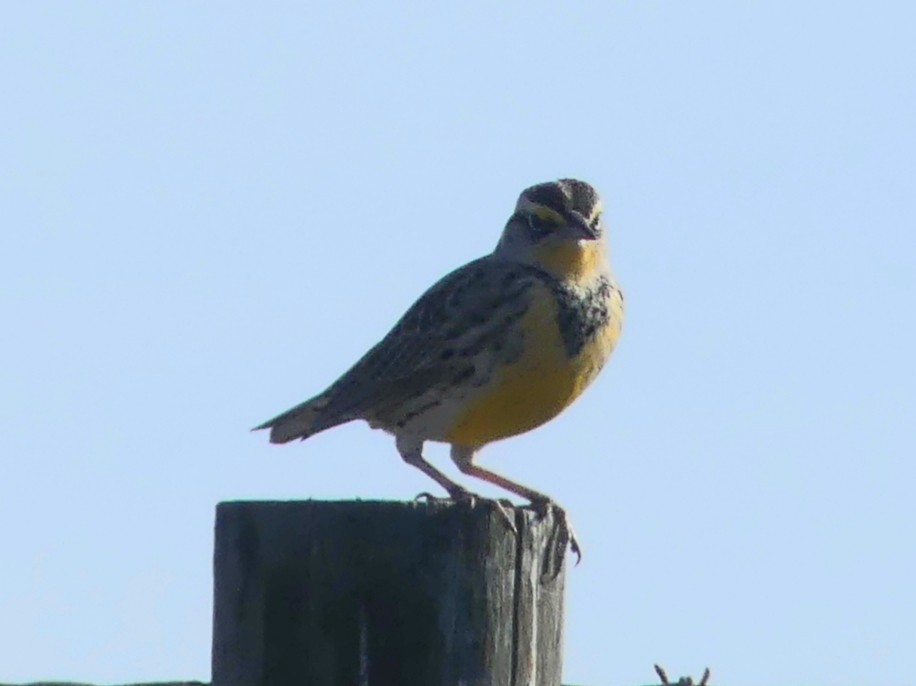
(540, 226)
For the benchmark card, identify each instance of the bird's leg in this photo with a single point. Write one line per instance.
(563, 534)
(412, 453)
(463, 457)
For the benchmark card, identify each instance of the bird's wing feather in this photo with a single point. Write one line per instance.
(434, 342)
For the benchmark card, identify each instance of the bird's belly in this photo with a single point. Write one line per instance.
(533, 389)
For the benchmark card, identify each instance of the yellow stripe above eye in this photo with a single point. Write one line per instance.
(549, 215)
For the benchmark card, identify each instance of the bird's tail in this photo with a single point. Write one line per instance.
(300, 422)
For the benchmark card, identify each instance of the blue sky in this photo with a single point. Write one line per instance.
(210, 210)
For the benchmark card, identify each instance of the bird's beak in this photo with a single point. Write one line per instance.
(579, 227)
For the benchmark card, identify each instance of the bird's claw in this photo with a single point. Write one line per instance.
(456, 496)
(427, 497)
(561, 537)
(502, 505)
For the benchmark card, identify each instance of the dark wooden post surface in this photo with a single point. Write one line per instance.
(385, 594)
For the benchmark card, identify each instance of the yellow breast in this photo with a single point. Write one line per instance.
(537, 386)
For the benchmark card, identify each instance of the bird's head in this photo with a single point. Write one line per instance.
(557, 227)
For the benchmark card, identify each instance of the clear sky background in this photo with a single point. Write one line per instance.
(209, 210)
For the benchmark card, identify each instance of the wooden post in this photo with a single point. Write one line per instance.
(385, 594)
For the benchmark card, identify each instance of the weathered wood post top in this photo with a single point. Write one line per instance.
(386, 594)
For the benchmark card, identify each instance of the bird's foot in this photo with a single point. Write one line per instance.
(427, 497)
(455, 495)
(561, 537)
(503, 506)
(461, 495)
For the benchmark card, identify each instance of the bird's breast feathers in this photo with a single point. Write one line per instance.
(566, 336)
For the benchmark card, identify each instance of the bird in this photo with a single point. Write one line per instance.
(494, 349)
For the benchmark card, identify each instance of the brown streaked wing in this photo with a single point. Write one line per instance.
(460, 312)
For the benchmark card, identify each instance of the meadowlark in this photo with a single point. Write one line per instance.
(494, 349)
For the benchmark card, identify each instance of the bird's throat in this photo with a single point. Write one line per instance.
(579, 262)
